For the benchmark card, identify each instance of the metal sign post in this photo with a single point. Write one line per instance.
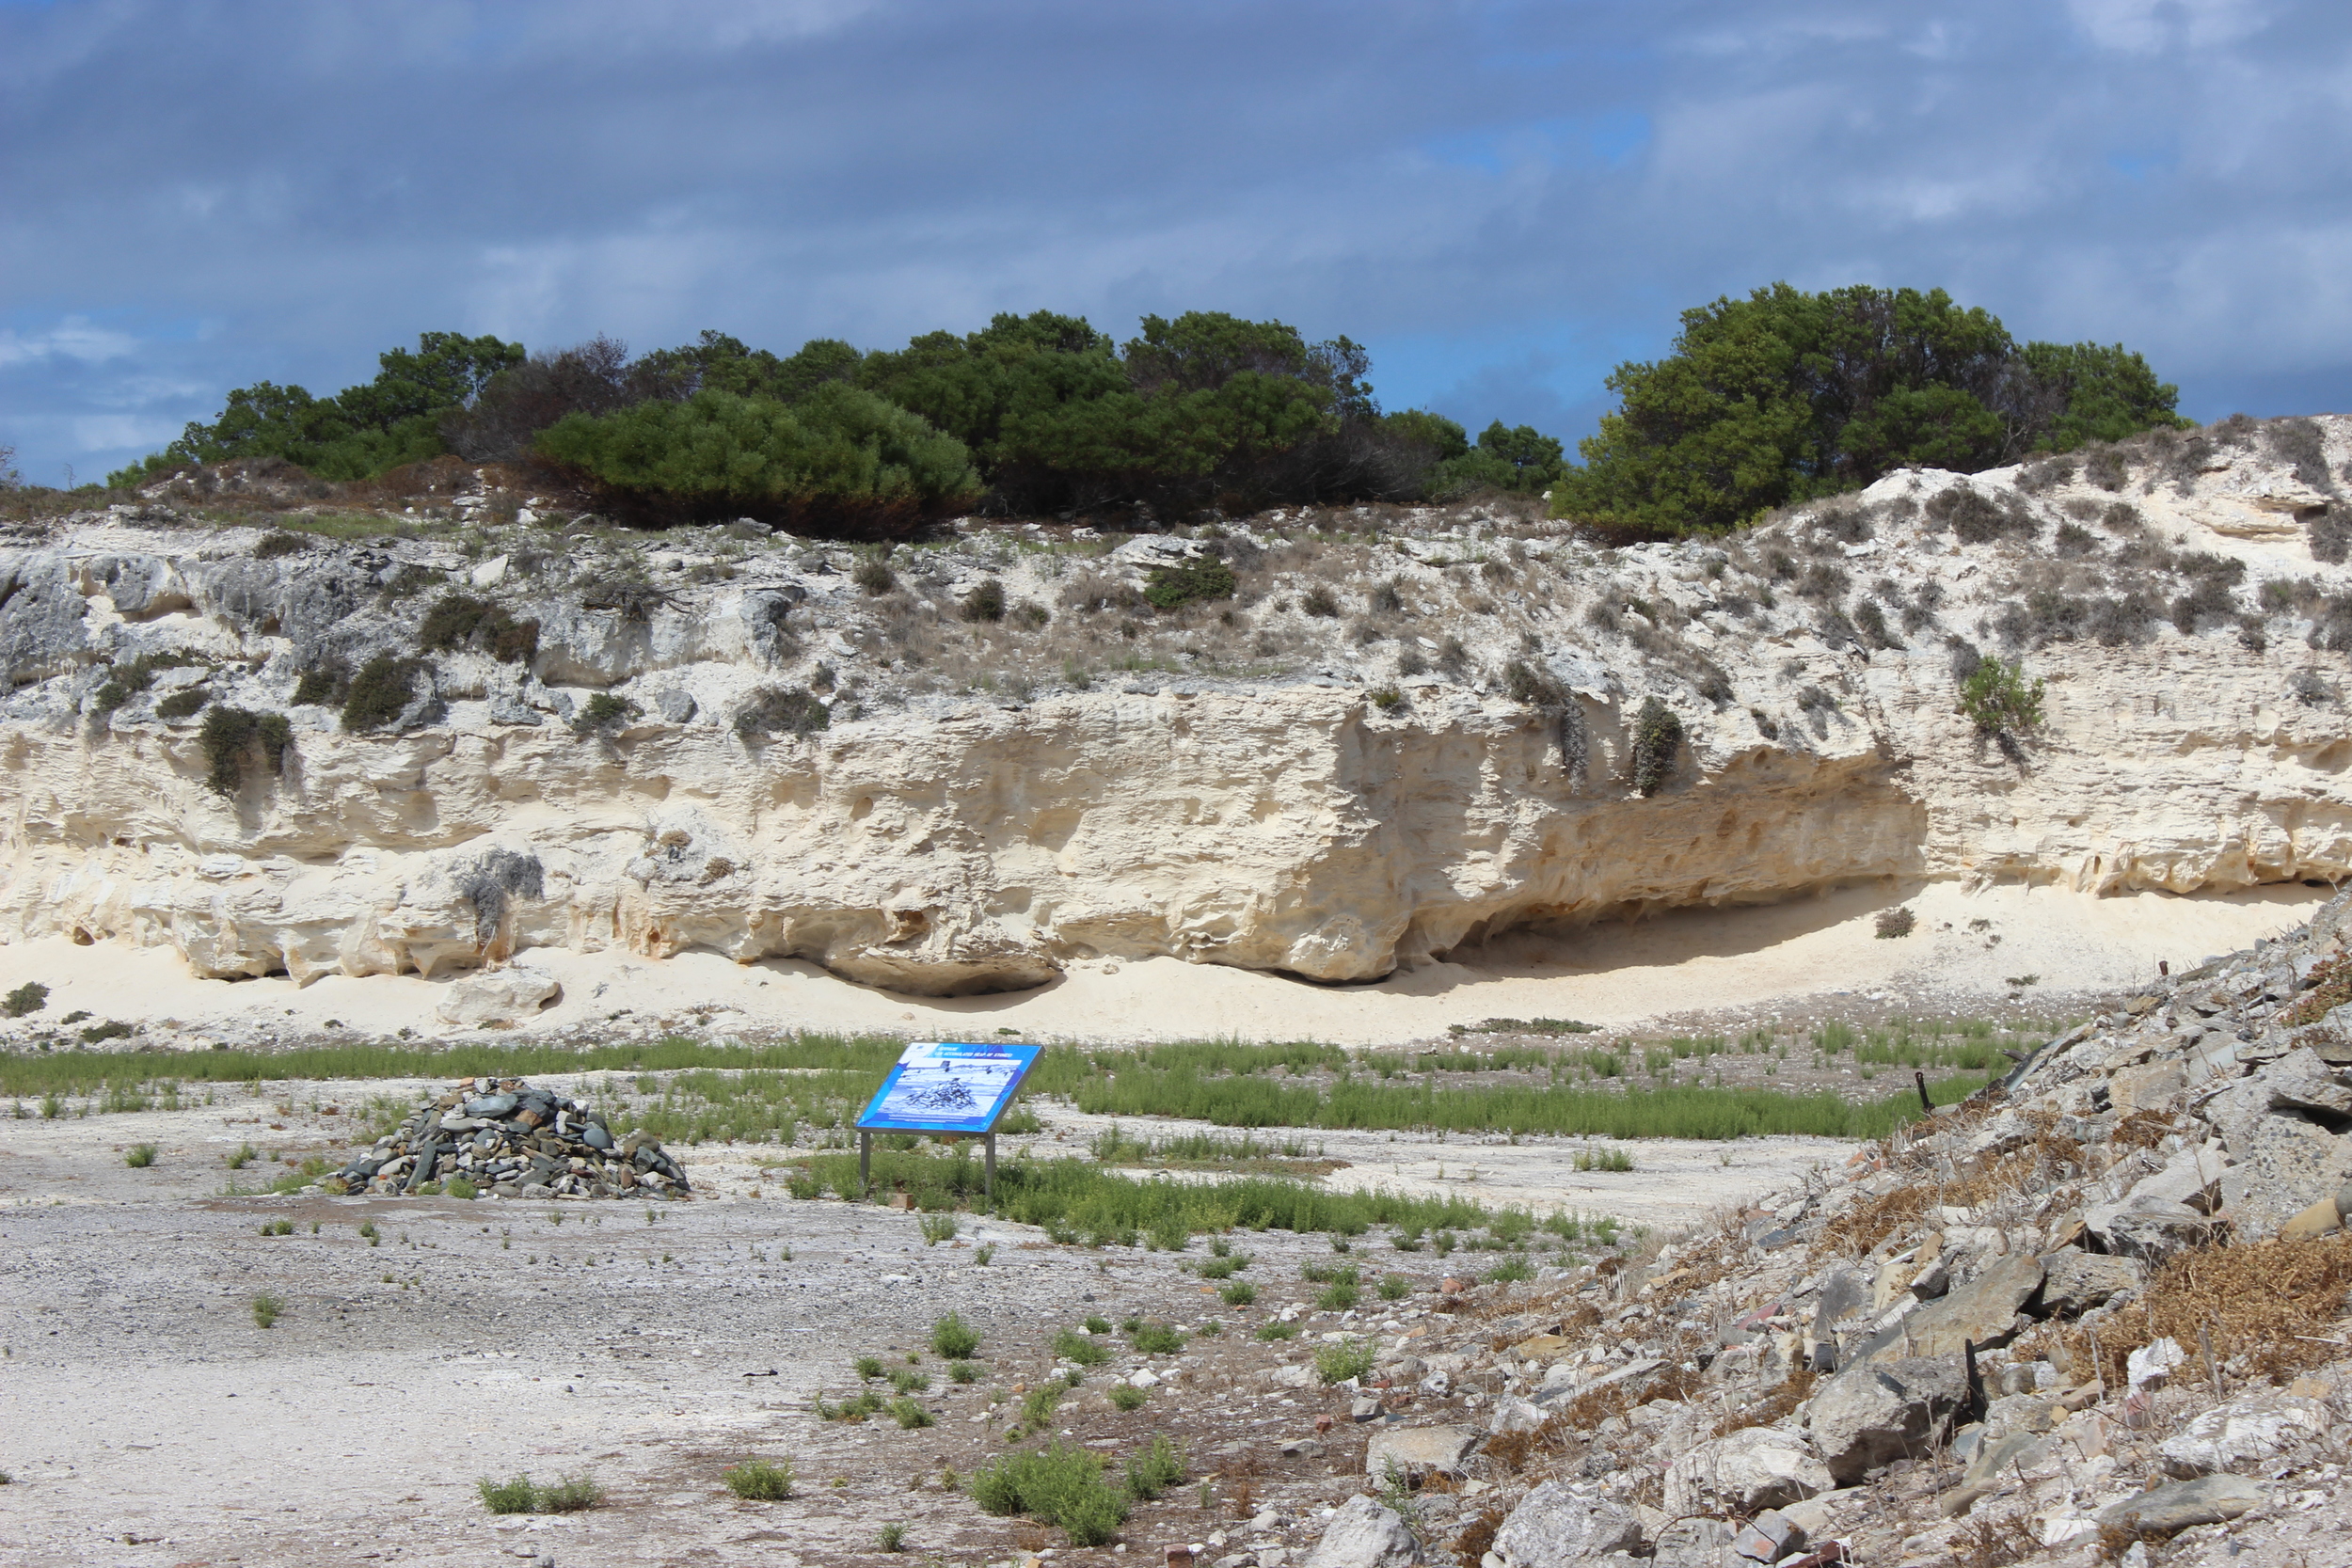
(943, 1088)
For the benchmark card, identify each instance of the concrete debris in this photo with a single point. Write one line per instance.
(1364, 1534)
(504, 1137)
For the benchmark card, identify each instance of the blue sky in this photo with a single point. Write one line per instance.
(1501, 199)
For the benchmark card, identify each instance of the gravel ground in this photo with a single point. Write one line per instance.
(151, 1423)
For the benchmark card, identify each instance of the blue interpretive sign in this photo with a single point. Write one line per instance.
(945, 1088)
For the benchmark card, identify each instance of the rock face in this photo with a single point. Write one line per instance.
(1417, 1450)
(2207, 1500)
(940, 843)
(2241, 1432)
(1553, 1527)
(1363, 1534)
(497, 996)
(1982, 1312)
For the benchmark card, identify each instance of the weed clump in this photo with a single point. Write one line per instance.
(1155, 1470)
(984, 603)
(522, 1495)
(126, 681)
(953, 1338)
(30, 997)
(1997, 699)
(267, 1308)
(603, 714)
(1169, 587)
(759, 1480)
(1127, 1398)
(140, 1157)
(1061, 1485)
(1337, 1363)
(1894, 923)
(232, 738)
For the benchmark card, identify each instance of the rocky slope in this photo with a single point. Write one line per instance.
(2098, 1311)
(1404, 731)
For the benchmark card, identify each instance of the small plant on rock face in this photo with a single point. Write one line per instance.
(1997, 698)
(759, 1481)
(140, 1157)
(603, 714)
(779, 710)
(1657, 745)
(1238, 1292)
(985, 602)
(1277, 1329)
(381, 692)
(1169, 587)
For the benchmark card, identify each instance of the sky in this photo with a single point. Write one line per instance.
(1502, 200)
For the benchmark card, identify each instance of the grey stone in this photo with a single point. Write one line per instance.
(1554, 1527)
(1696, 1543)
(2177, 1505)
(1844, 1292)
(675, 706)
(1755, 1468)
(1363, 1534)
(1512, 1414)
(1417, 1451)
(1364, 1407)
(1768, 1536)
(1981, 1312)
(2241, 1432)
(2073, 1282)
(1878, 1413)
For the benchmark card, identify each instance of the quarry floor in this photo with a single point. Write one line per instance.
(2000, 951)
(151, 1424)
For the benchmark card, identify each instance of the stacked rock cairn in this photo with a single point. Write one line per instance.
(507, 1137)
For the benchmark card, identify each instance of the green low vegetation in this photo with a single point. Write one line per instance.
(521, 1495)
(759, 1480)
(1061, 1485)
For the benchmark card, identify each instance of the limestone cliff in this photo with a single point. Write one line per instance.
(1404, 730)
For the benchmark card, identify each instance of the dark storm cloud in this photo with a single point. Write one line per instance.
(1502, 199)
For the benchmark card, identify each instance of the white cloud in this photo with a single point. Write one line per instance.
(71, 337)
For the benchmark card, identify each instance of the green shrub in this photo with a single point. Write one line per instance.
(937, 1228)
(1337, 1297)
(326, 684)
(1239, 1292)
(459, 1187)
(1071, 1345)
(1277, 1329)
(1168, 587)
(245, 1154)
(953, 1337)
(460, 620)
(231, 738)
(907, 1414)
(126, 681)
(985, 602)
(140, 1157)
(184, 703)
(1387, 698)
(604, 713)
(518, 1495)
(906, 1379)
(1894, 923)
(964, 1371)
(840, 461)
(1510, 1269)
(1348, 1359)
(381, 692)
(1603, 1158)
(1157, 1339)
(1096, 1324)
(874, 575)
(277, 1227)
(267, 1308)
(1395, 1286)
(1155, 1470)
(30, 997)
(1657, 745)
(867, 1366)
(779, 710)
(1997, 698)
(1126, 1398)
(572, 1494)
(759, 1481)
(891, 1538)
(1061, 1485)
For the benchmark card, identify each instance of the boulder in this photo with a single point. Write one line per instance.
(1363, 1534)
(2073, 1282)
(1877, 1413)
(1553, 1527)
(2177, 1505)
(1981, 1312)
(1513, 1413)
(1417, 1451)
(497, 996)
(1750, 1470)
(675, 706)
(2277, 1127)
(2241, 1432)
(1694, 1543)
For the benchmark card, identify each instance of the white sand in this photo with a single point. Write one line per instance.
(1811, 952)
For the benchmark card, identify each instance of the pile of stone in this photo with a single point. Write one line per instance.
(510, 1139)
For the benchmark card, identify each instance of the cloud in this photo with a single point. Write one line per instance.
(1505, 199)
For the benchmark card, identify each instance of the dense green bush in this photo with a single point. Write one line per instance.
(842, 460)
(1657, 744)
(781, 710)
(381, 692)
(1787, 395)
(231, 738)
(186, 703)
(1998, 699)
(459, 620)
(30, 997)
(1060, 1484)
(128, 679)
(1167, 586)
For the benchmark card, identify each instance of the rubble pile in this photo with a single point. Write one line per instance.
(510, 1139)
(1976, 1341)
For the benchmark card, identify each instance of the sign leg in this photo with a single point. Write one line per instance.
(990, 1177)
(864, 1163)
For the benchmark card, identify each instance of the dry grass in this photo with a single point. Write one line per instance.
(1984, 1542)
(2141, 1130)
(2276, 1304)
(2331, 987)
(1512, 1449)
(1861, 1228)
(1478, 1536)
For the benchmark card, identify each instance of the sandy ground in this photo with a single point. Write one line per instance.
(150, 1422)
(1722, 964)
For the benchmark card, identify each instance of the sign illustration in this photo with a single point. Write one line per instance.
(943, 1087)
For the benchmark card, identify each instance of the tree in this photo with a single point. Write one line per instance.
(1785, 396)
